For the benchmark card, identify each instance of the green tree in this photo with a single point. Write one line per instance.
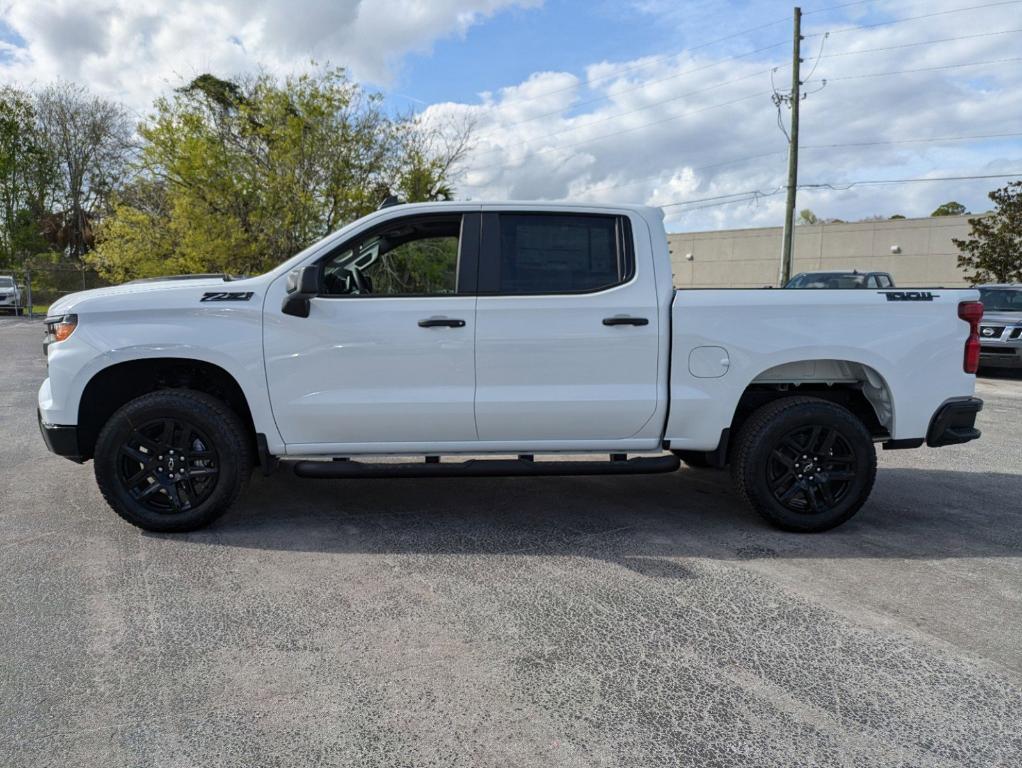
(239, 176)
(27, 176)
(951, 208)
(993, 251)
(89, 140)
(806, 216)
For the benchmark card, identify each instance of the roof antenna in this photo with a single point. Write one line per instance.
(390, 200)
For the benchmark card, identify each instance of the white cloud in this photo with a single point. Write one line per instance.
(668, 129)
(133, 49)
(661, 129)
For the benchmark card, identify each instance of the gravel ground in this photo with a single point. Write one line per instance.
(619, 621)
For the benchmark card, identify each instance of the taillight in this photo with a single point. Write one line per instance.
(971, 312)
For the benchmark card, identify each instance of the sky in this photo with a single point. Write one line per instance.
(663, 102)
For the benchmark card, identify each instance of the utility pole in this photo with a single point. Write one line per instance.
(795, 99)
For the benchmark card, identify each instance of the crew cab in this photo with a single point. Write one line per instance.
(521, 335)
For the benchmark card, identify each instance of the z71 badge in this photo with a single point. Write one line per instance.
(226, 296)
(910, 296)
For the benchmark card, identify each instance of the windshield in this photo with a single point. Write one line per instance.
(6, 282)
(1001, 299)
(827, 280)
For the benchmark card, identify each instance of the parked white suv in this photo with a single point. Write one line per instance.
(454, 329)
(10, 295)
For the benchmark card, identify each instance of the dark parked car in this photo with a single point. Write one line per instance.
(851, 278)
(1000, 331)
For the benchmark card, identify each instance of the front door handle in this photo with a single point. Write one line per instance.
(441, 322)
(625, 321)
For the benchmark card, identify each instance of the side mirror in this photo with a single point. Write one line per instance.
(302, 285)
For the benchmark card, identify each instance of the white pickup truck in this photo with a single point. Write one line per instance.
(458, 329)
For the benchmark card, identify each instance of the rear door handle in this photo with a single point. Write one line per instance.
(441, 322)
(625, 321)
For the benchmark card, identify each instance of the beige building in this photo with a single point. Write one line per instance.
(917, 252)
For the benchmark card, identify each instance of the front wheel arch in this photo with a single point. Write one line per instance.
(118, 384)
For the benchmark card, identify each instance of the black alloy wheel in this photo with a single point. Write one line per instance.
(173, 460)
(811, 469)
(804, 463)
(168, 465)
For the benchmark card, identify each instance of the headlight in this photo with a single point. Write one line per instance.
(58, 328)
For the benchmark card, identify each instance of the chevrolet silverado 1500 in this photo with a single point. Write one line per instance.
(525, 331)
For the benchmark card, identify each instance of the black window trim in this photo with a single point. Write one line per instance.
(490, 251)
(466, 269)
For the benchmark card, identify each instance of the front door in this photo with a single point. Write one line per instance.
(567, 336)
(386, 354)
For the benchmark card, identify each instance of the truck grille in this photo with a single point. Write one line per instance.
(991, 331)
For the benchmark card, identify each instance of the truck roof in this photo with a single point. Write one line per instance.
(532, 205)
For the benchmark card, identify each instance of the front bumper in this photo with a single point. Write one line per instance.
(60, 439)
(954, 423)
(1000, 355)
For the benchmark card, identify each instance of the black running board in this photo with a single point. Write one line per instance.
(332, 470)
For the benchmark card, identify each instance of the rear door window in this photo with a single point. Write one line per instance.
(547, 253)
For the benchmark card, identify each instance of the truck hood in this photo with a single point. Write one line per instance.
(171, 287)
(1002, 318)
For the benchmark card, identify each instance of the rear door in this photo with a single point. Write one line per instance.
(567, 332)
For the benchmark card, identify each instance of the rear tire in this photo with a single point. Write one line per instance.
(173, 460)
(804, 464)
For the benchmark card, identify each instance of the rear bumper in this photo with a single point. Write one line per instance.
(60, 439)
(954, 423)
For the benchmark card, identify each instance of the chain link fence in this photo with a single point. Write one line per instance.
(38, 286)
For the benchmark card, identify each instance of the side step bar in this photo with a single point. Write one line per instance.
(328, 470)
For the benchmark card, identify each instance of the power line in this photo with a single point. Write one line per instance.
(836, 7)
(752, 199)
(633, 128)
(644, 84)
(935, 139)
(660, 176)
(819, 55)
(923, 42)
(753, 192)
(926, 69)
(845, 145)
(683, 114)
(916, 18)
(664, 56)
(835, 186)
(650, 105)
(840, 187)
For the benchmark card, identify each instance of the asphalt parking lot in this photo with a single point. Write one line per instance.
(624, 621)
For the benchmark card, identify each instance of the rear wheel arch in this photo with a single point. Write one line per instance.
(112, 387)
(858, 387)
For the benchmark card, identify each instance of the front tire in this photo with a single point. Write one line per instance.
(804, 464)
(173, 460)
